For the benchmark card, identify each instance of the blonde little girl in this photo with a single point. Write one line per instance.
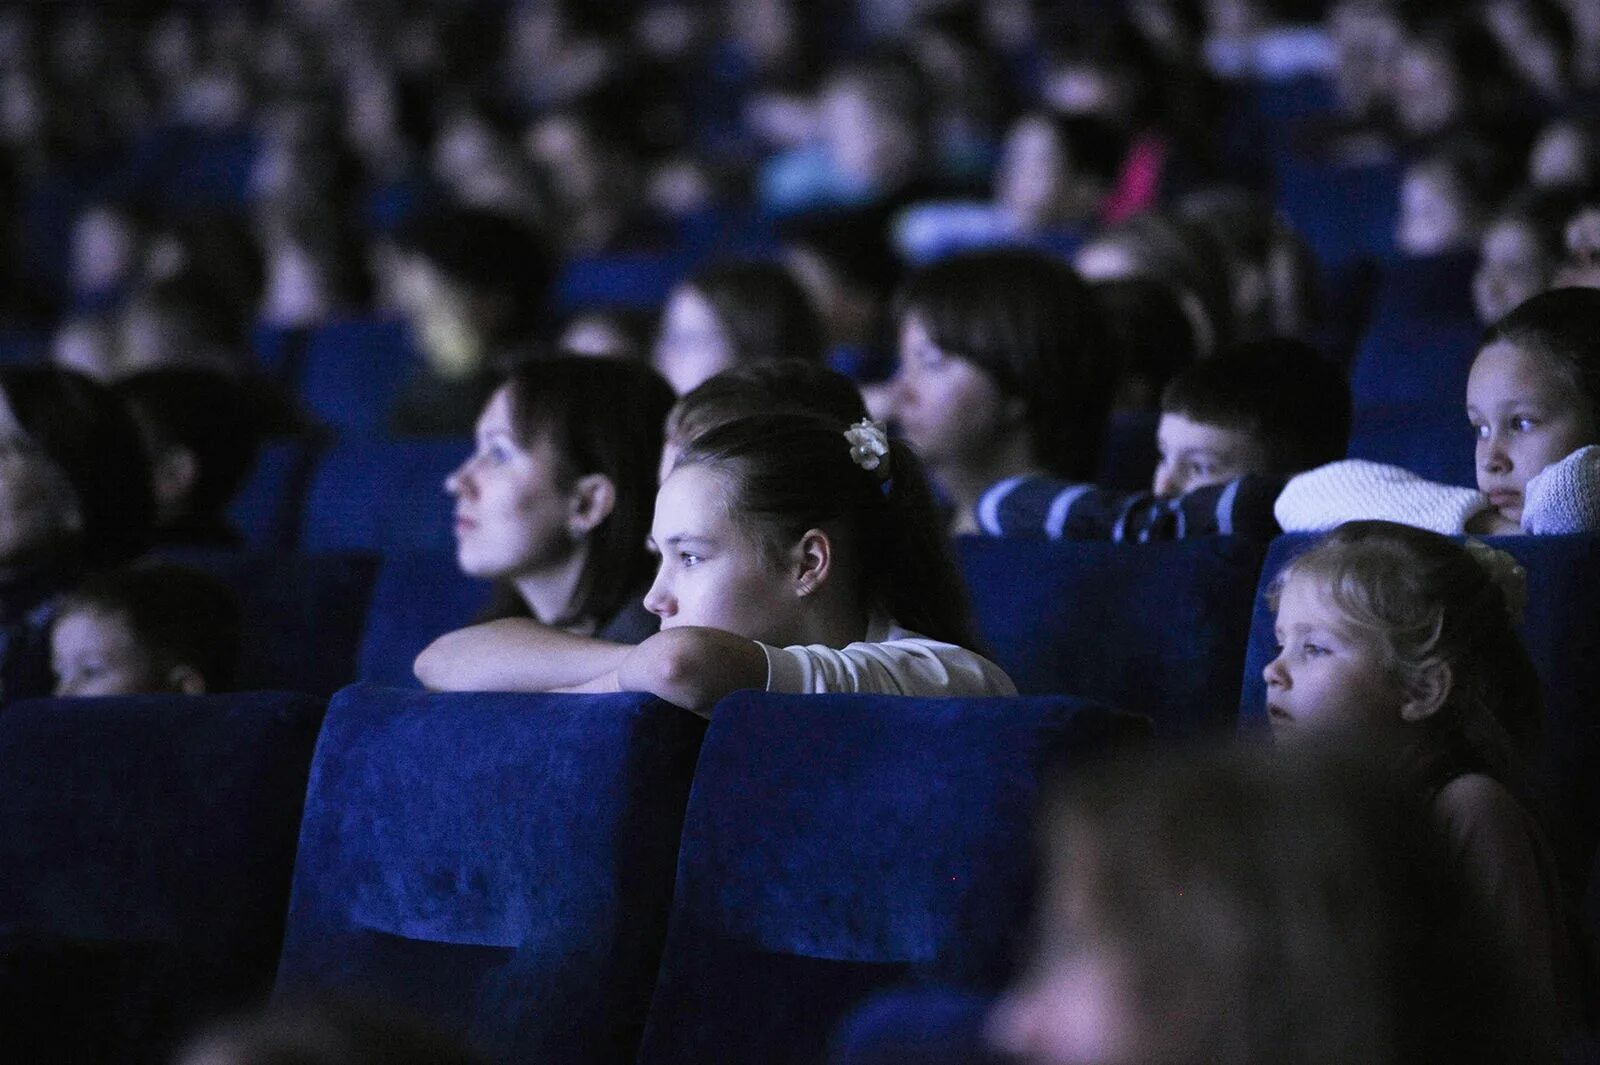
(796, 555)
(1398, 636)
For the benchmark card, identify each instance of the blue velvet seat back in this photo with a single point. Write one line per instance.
(147, 844)
(639, 280)
(302, 616)
(838, 844)
(920, 1026)
(353, 370)
(419, 596)
(383, 495)
(1416, 361)
(1128, 453)
(1158, 629)
(1431, 439)
(502, 863)
(1344, 212)
(268, 508)
(1562, 630)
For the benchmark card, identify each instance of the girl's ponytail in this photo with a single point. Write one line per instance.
(915, 573)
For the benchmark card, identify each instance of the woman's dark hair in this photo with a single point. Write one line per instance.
(1034, 327)
(1562, 327)
(87, 431)
(602, 416)
(764, 311)
(788, 473)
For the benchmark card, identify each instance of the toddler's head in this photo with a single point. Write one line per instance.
(1272, 407)
(1533, 395)
(1384, 626)
(146, 629)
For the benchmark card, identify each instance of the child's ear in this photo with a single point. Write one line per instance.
(811, 561)
(589, 503)
(186, 680)
(1428, 693)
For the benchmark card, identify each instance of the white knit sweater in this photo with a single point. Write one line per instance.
(1562, 498)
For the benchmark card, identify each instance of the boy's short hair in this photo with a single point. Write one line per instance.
(1294, 402)
(177, 614)
(783, 385)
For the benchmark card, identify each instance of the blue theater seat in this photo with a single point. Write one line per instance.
(1407, 360)
(301, 615)
(1344, 212)
(500, 863)
(267, 510)
(353, 371)
(1157, 629)
(922, 1026)
(383, 495)
(1430, 439)
(639, 280)
(1562, 631)
(147, 844)
(838, 844)
(419, 596)
(1128, 453)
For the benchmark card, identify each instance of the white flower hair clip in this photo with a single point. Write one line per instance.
(869, 446)
(1505, 572)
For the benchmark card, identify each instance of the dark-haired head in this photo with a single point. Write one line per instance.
(731, 313)
(1290, 403)
(599, 421)
(781, 386)
(1561, 328)
(201, 436)
(149, 627)
(787, 474)
(501, 267)
(1195, 903)
(77, 481)
(1034, 329)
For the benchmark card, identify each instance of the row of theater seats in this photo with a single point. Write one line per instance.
(562, 878)
(590, 878)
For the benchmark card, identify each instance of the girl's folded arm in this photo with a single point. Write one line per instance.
(693, 667)
(515, 654)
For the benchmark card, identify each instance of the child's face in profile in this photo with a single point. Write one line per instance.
(1196, 454)
(1328, 673)
(1434, 215)
(1074, 1010)
(1526, 418)
(1512, 267)
(711, 572)
(96, 653)
(949, 408)
(692, 344)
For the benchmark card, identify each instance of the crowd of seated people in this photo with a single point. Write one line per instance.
(744, 315)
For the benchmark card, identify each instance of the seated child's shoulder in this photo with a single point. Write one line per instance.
(1476, 806)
